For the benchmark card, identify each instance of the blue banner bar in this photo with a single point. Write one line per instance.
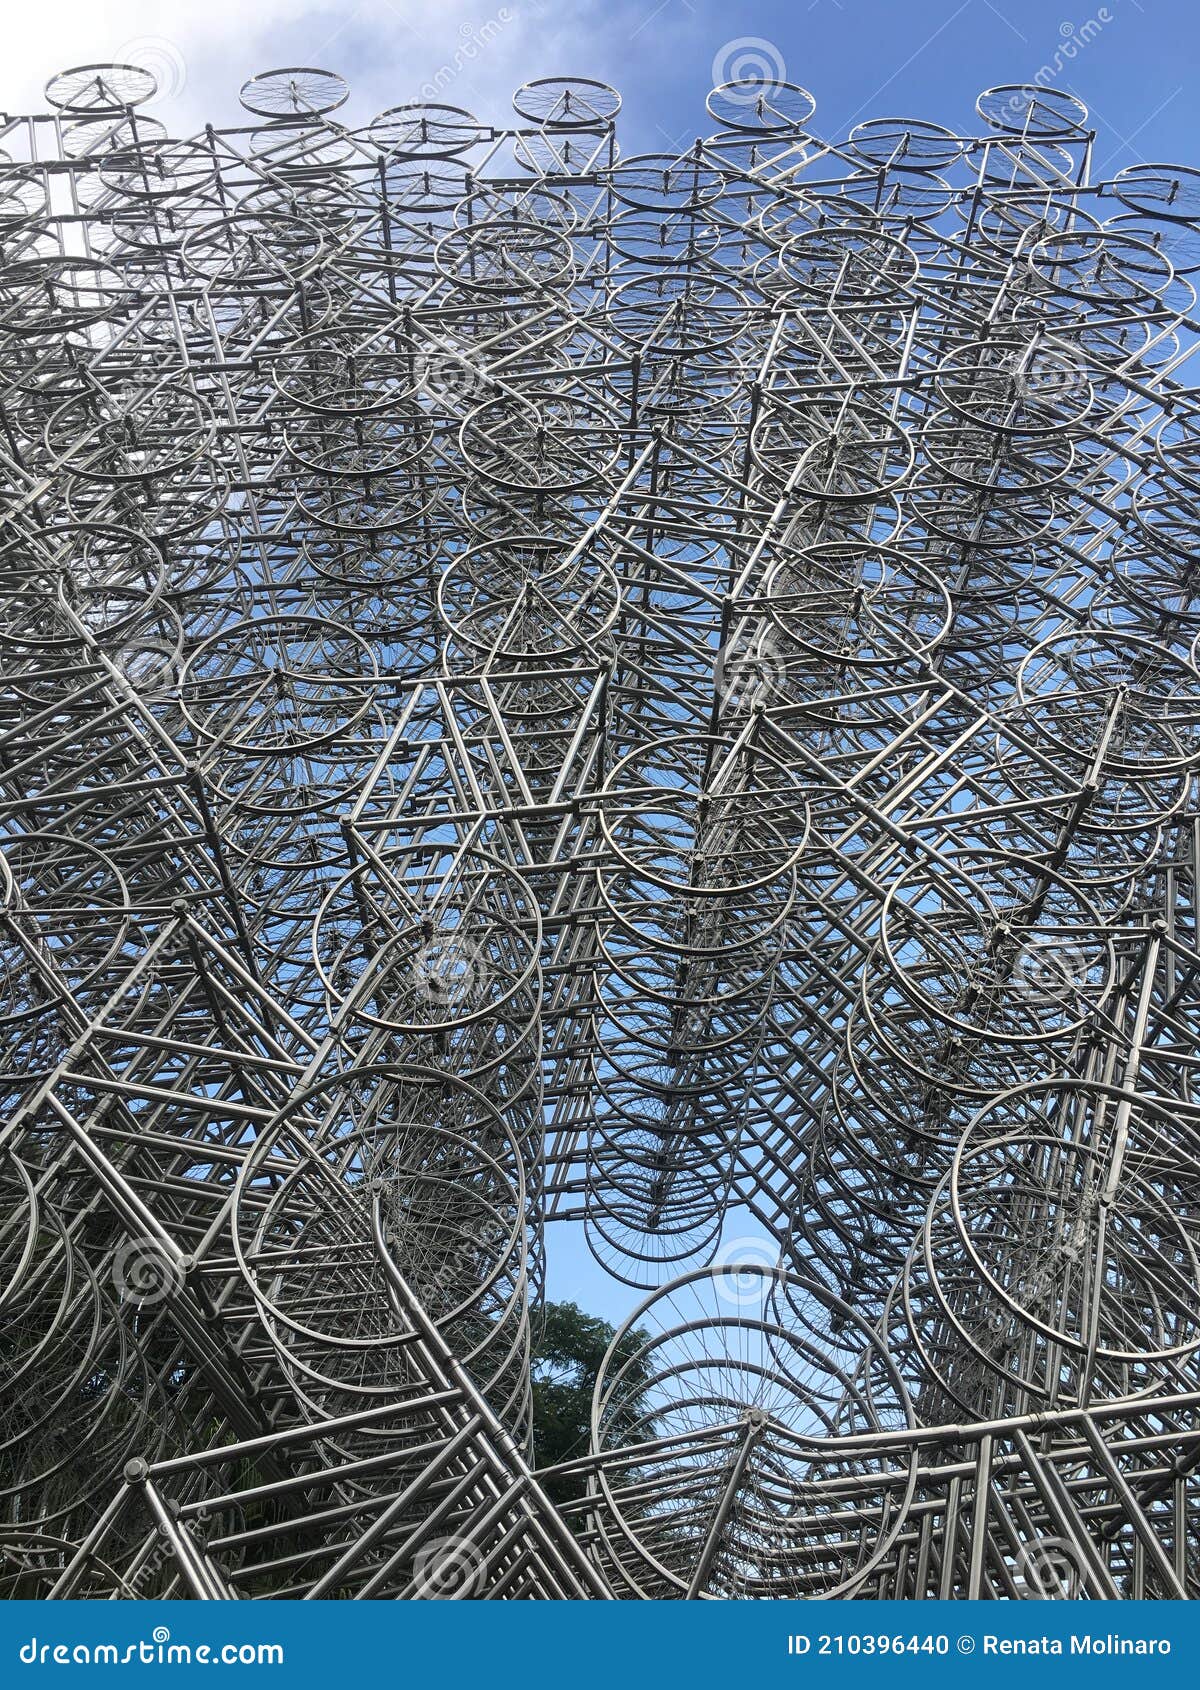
(611, 1646)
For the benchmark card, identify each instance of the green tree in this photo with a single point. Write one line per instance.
(565, 1365)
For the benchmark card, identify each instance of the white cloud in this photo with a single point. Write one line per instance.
(202, 50)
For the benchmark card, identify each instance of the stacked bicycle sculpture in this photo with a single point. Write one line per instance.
(652, 694)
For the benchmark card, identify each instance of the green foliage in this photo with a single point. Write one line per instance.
(565, 1365)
